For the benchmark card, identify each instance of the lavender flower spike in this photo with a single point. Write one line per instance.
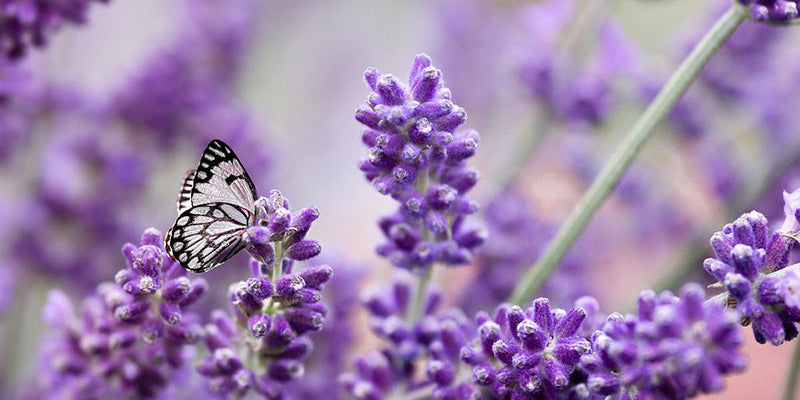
(745, 253)
(263, 342)
(417, 157)
(772, 11)
(673, 348)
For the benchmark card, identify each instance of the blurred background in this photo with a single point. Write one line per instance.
(98, 126)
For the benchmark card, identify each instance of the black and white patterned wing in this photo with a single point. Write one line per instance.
(185, 196)
(221, 178)
(204, 236)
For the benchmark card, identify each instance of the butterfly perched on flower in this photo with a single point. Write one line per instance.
(215, 208)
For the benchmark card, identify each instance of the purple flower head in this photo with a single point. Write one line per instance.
(264, 340)
(417, 157)
(127, 339)
(772, 11)
(674, 348)
(526, 353)
(432, 343)
(746, 252)
(578, 94)
(26, 23)
(280, 233)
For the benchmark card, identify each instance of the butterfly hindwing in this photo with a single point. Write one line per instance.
(206, 235)
(220, 177)
(185, 195)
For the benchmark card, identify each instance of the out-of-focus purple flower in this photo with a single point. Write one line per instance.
(746, 252)
(418, 158)
(772, 11)
(517, 240)
(187, 88)
(575, 93)
(85, 185)
(264, 341)
(129, 339)
(20, 98)
(433, 342)
(26, 23)
(673, 348)
(526, 353)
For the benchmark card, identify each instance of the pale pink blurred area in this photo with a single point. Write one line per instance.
(766, 373)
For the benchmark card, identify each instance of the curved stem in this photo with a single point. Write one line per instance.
(533, 279)
(791, 378)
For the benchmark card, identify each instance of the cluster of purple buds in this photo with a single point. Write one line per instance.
(263, 342)
(673, 348)
(574, 91)
(279, 234)
(432, 342)
(746, 253)
(130, 337)
(526, 353)
(772, 11)
(417, 157)
(25, 23)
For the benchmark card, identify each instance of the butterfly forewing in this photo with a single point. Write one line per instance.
(185, 195)
(220, 177)
(204, 236)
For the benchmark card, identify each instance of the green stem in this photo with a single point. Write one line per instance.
(416, 310)
(791, 378)
(534, 278)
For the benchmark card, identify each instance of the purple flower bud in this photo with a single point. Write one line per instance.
(170, 312)
(303, 250)
(199, 286)
(303, 219)
(259, 324)
(133, 311)
(259, 287)
(366, 116)
(281, 334)
(315, 276)
(303, 320)
(175, 290)
(286, 370)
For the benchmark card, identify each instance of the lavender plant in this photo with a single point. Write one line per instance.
(158, 331)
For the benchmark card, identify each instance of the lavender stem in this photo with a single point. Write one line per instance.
(535, 277)
(791, 378)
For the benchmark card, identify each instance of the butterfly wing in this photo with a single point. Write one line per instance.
(204, 236)
(185, 195)
(221, 178)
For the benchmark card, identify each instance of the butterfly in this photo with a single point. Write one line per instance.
(215, 208)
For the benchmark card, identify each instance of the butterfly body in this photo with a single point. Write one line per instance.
(215, 208)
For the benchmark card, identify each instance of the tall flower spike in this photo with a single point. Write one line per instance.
(417, 157)
(746, 252)
(264, 341)
(673, 348)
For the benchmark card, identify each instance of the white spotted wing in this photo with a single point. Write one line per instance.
(215, 207)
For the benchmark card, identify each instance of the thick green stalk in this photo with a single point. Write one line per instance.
(791, 378)
(535, 277)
